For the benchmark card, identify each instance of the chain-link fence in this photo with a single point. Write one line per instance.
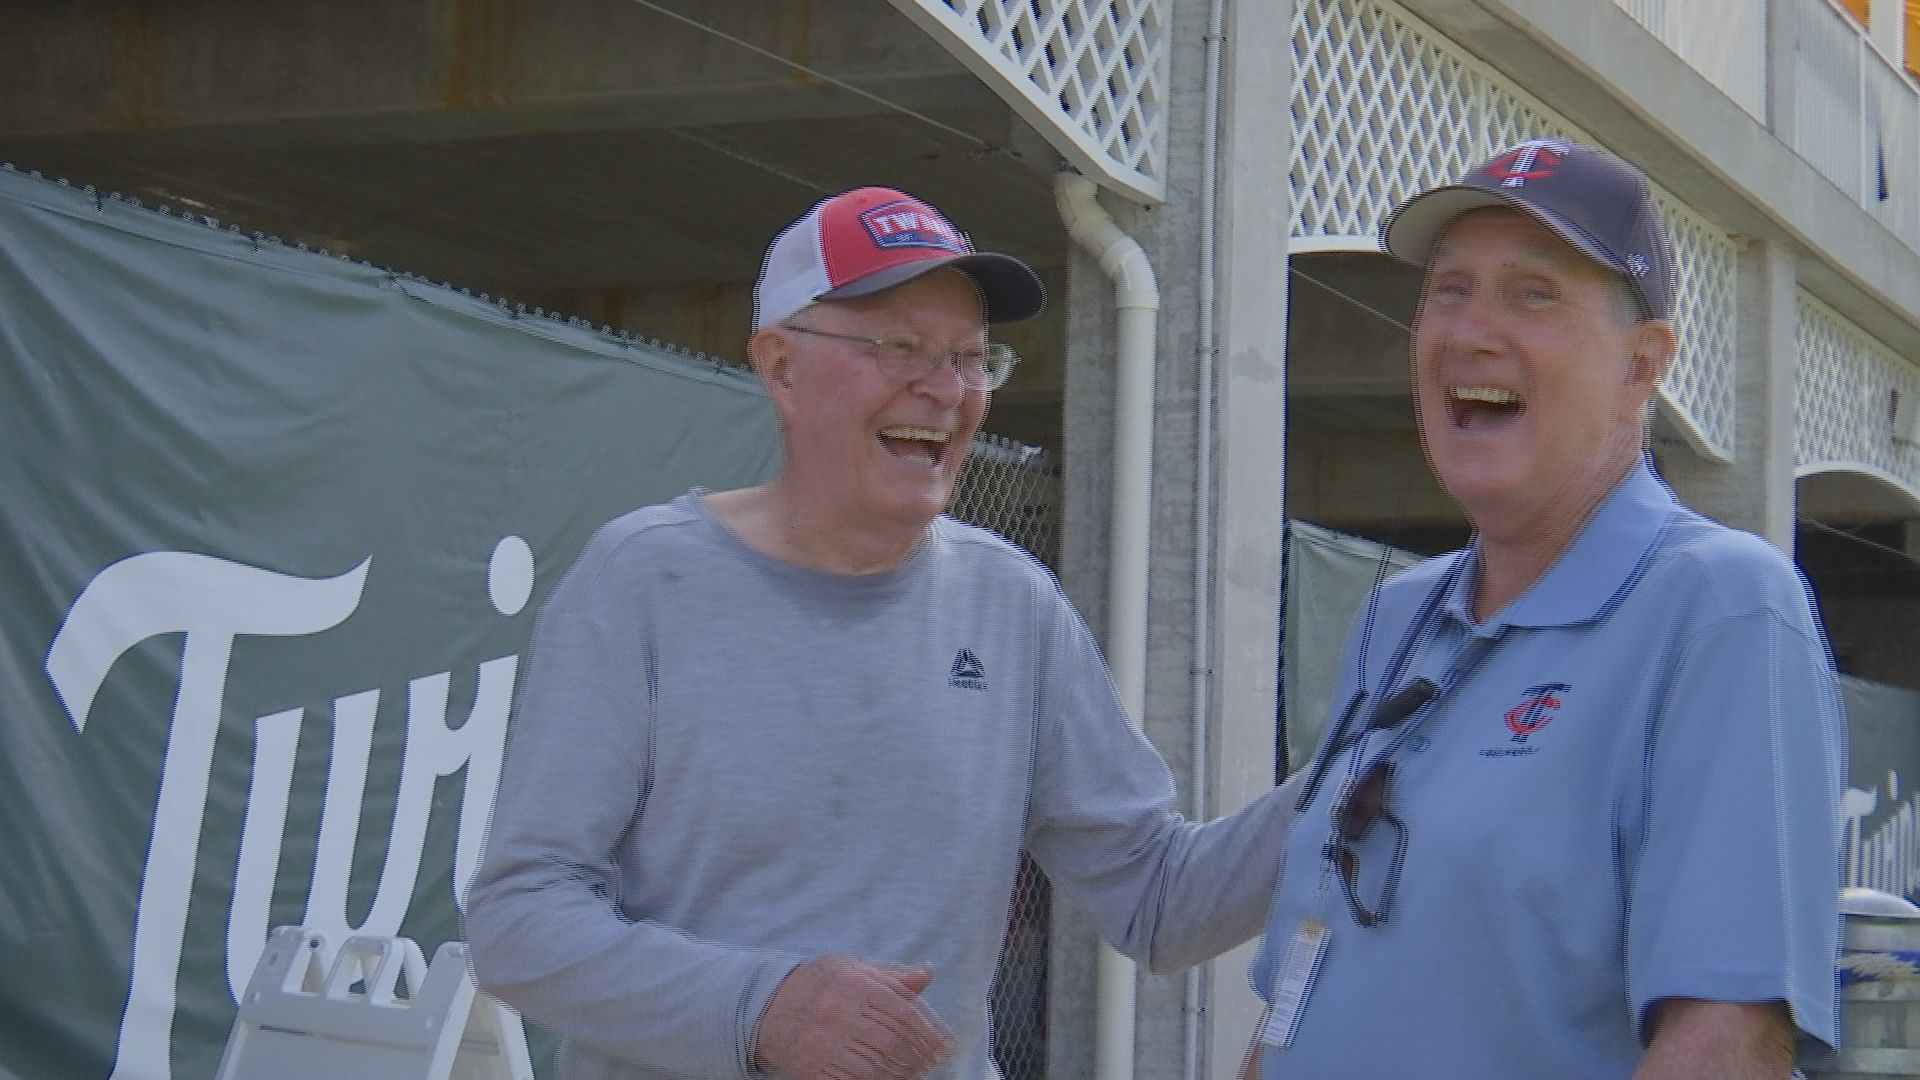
(1015, 491)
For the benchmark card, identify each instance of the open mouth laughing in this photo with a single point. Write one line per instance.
(915, 443)
(1478, 408)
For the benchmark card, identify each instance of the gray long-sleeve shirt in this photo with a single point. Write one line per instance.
(723, 765)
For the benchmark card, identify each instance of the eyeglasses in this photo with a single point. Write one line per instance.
(1366, 803)
(979, 367)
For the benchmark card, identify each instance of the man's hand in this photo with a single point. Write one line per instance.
(1250, 1062)
(836, 1018)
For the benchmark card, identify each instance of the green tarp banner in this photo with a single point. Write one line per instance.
(1328, 577)
(1881, 809)
(275, 528)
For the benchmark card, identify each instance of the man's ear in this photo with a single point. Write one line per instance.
(771, 358)
(1654, 344)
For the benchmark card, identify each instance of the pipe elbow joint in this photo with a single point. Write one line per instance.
(1121, 256)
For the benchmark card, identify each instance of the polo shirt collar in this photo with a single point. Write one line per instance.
(1595, 570)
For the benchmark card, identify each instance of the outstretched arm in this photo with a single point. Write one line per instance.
(1105, 828)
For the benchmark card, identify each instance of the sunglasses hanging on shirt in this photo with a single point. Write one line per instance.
(1362, 802)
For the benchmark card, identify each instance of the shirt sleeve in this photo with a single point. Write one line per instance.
(545, 927)
(1104, 824)
(1733, 892)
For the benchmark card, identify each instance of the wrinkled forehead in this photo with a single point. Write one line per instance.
(1513, 236)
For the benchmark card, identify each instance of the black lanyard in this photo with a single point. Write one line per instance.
(1416, 699)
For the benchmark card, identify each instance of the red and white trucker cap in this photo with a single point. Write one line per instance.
(863, 241)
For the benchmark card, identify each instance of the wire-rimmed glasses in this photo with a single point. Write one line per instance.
(980, 367)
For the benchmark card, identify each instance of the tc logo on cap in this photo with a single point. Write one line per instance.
(911, 224)
(1534, 160)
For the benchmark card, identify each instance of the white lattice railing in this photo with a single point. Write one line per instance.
(1385, 107)
(1847, 385)
(1856, 112)
(1089, 75)
(1700, 386)
(1857, 117)
(1726, 42)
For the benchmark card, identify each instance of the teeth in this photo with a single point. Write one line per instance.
(1492, 395)
(918, 434)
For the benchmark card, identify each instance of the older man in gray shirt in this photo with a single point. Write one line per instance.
(778, 750)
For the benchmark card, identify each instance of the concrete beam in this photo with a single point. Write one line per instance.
(182, 75)
(1850, 498)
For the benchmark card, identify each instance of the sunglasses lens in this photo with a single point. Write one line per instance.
(1364, 805)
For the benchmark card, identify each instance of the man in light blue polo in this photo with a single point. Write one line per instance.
(1577, 816)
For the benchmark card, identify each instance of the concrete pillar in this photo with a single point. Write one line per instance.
(1255, 220)
(1249, 306)
(1756, 492)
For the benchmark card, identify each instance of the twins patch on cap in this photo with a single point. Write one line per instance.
(911, 223)
(870, 239)
(1533, 160)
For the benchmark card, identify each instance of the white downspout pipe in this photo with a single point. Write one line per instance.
(1137, 300)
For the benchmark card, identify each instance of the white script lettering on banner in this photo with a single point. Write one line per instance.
(1888, 858)
(212, 602)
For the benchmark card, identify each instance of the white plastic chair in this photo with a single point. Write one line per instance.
(308, 1014)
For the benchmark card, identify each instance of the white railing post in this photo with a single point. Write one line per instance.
(1781, 73)
(1861, 60)
(1726, 43)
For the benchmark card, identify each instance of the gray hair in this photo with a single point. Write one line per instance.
(1628, 300)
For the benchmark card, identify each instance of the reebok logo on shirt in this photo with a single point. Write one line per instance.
(968, 673)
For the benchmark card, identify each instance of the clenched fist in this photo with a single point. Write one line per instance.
(837, 1018)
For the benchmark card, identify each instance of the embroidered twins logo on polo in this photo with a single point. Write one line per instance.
(911, 224)
(1539, 707)
(968, 672)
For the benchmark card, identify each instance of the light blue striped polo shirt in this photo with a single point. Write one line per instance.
(1632, 795)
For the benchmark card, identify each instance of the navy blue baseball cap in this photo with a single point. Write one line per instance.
(1589, 198)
